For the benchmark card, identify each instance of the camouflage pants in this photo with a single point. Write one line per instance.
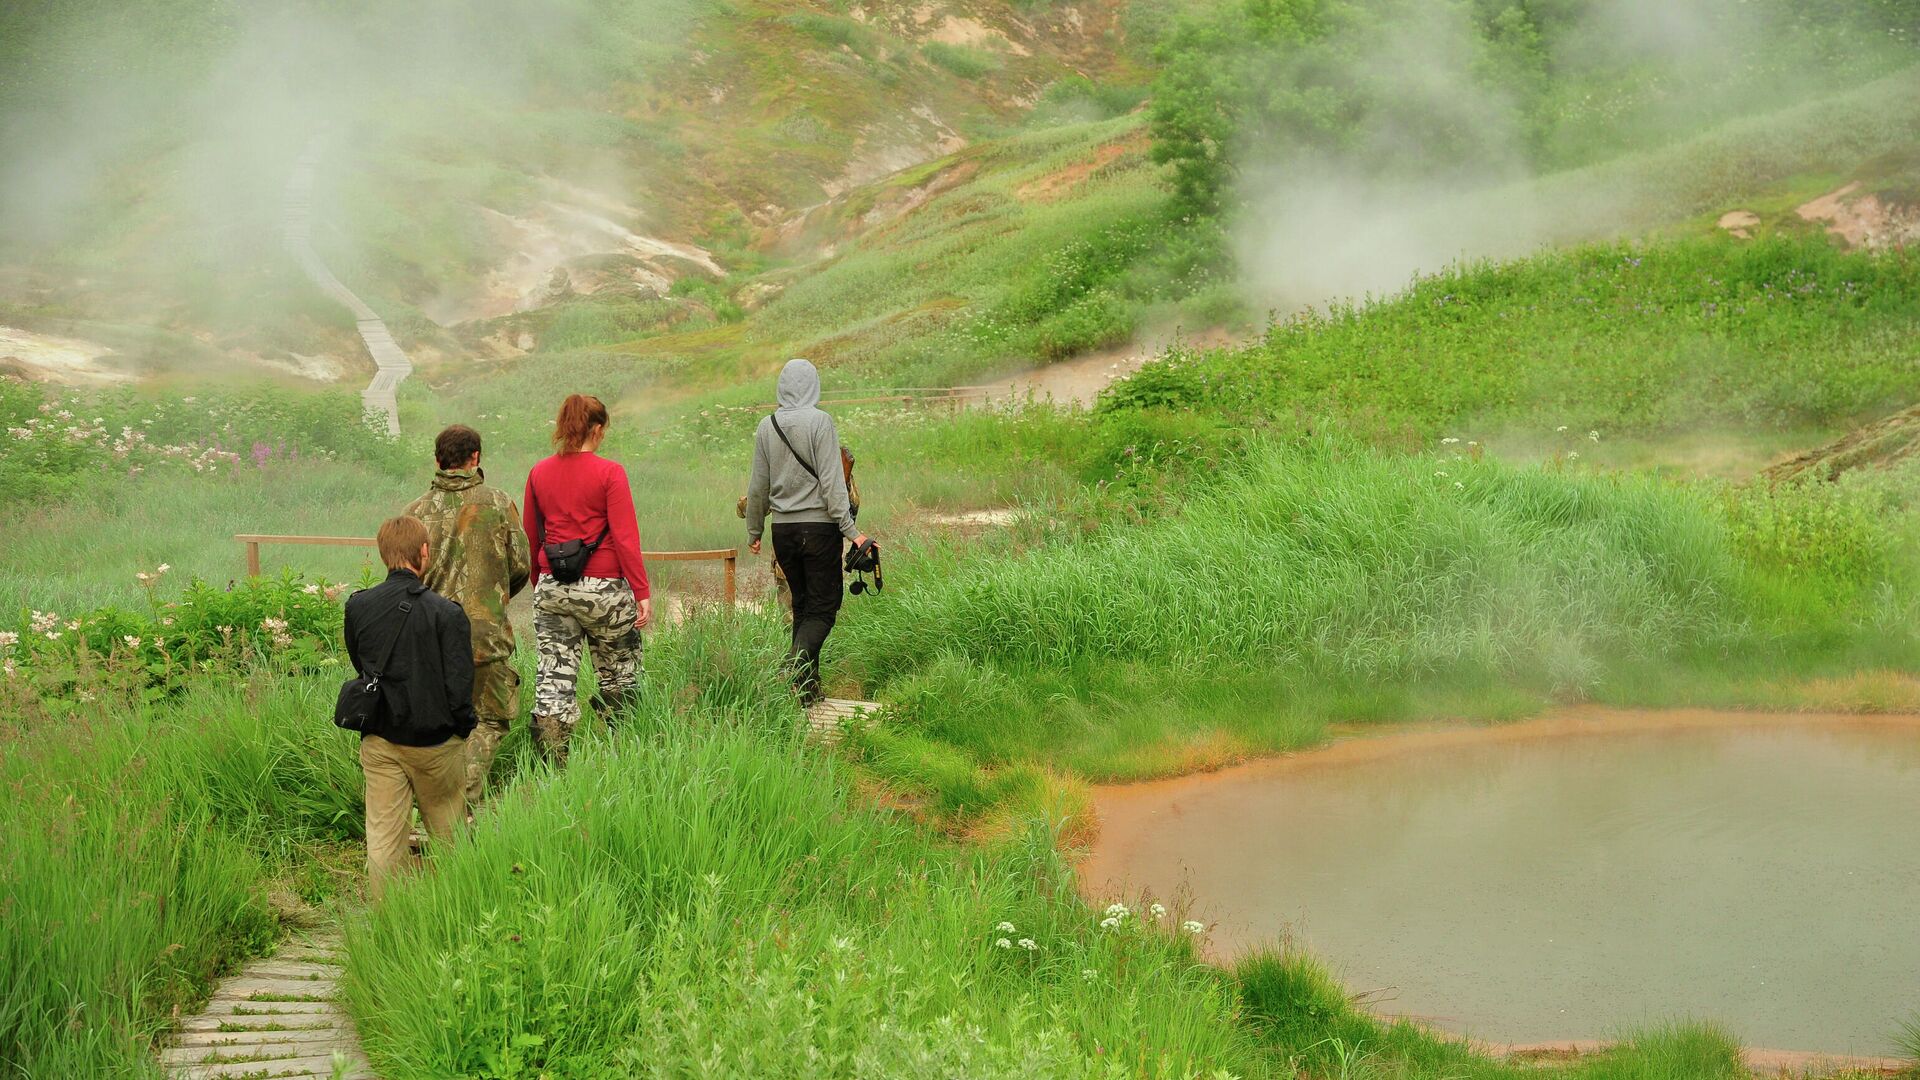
(496, 701)
(594, 613)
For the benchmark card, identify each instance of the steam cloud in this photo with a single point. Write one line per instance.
(1319, 227)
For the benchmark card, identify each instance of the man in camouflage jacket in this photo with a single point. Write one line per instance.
(480, 560)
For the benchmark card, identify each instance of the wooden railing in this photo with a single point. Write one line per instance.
(729, 556)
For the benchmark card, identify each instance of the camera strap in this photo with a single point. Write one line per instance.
(777, 430)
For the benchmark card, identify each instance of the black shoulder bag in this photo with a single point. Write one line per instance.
(359, 703)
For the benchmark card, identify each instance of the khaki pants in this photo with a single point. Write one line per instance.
(398, 777)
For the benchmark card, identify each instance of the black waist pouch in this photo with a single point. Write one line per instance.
(567, 560)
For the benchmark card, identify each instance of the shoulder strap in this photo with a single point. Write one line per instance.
(406, 615)
(791, 450)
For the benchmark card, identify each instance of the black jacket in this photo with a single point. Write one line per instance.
(427, 688)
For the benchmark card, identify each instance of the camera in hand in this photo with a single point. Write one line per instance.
(862, 559)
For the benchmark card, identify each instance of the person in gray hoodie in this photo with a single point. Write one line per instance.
(797, 475)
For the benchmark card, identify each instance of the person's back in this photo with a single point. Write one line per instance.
(419, 643)
(797, 475)
(480, 561)
(576, 497)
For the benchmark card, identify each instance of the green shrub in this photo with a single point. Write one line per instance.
(63, 444)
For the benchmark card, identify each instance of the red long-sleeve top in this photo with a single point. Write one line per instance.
(576, 497)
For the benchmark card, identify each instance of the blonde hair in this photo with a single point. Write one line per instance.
(399, 540)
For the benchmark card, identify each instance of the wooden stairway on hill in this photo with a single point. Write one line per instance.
(277, 1018)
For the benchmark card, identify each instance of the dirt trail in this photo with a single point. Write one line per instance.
(1078, 381)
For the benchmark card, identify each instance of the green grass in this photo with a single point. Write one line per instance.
(141, 840)
(1655, 338)
(699, 894)
(1325, 580)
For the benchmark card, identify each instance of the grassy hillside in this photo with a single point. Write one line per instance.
(1427, 506)
(1618, 339)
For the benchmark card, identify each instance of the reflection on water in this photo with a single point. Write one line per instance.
(1766, 878)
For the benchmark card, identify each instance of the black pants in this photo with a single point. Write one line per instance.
(809, 555)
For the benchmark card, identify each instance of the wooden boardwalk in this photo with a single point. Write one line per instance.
(828, 719)
(297, 233)
(277, 1018)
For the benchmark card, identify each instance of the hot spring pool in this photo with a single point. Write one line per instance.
(1567, 879)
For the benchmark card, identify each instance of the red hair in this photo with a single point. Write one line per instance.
(579, 415)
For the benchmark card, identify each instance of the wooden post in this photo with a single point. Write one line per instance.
(733, 558)
(253, 558)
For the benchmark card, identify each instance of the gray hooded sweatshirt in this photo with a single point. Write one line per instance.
(780, 482)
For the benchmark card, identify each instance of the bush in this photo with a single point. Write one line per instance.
(56, 663)
(64, 445)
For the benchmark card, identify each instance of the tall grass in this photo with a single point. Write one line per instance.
(1325, 567)
(139, 842)
(700, 895)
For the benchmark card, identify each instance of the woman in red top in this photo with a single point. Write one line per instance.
(578, 495)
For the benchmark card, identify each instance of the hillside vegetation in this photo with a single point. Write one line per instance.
(1403, 499)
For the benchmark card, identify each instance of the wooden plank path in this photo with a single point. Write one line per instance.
(277, 1018)
(829, 718)
(392, 365)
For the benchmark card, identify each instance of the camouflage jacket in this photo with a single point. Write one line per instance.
(478, 555)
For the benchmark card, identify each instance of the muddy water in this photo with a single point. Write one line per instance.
(1569, 879)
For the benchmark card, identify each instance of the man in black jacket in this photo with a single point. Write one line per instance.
(415, 751)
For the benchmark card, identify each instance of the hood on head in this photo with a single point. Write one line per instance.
(799, 385)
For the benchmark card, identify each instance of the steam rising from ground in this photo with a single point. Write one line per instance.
(166, 131)
(1347, 224)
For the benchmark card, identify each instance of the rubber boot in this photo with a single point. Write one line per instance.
(550, 738)
(613, 706)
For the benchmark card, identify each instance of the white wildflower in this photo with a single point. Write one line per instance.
(1562, 427)
(1027, 943)
(1157, 910)
(8, 639)
(132, 641)
(1594, 436)
(1194, 926)
(1089, 974)
(163, 568)
(1573, 455)
(53, 635)
(1003, 943)
(310, 590)
(1005, 928)
(1448, 441)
